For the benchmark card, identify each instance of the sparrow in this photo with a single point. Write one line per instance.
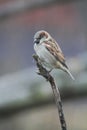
(49, 52)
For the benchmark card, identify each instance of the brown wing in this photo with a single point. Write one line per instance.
(55, 50)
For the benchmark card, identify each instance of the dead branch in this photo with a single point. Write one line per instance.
(43, 72)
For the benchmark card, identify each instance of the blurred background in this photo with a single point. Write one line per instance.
(26, 99)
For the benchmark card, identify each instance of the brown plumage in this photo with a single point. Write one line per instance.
(49, 51)
(55, 50)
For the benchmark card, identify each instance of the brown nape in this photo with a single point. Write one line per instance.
(46, 35)
(43, 34)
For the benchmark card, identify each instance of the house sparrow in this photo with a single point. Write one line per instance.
(49, 52)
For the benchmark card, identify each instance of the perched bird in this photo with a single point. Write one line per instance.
(49, 52)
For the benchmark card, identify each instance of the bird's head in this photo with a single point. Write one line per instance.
(41, 36)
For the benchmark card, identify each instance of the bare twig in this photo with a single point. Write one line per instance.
(43, 72)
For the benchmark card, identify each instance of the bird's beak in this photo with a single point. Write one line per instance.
(36, 41)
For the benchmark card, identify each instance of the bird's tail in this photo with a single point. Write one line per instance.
(64, 67)
(67, 71)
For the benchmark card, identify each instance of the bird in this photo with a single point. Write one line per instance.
(49, 52)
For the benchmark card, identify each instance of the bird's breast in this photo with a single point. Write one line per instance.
(45, 55)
